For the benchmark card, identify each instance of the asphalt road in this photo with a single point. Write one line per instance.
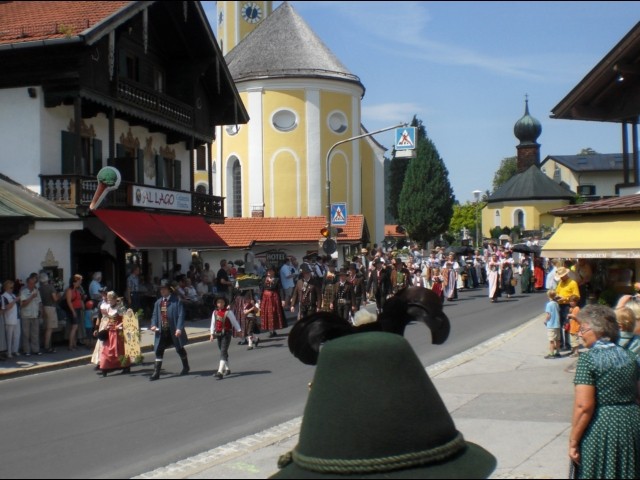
(73, 423)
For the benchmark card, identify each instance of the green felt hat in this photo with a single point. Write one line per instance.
(374, 412)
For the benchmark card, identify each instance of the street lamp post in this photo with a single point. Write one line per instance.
(476, 195)
(368, 134)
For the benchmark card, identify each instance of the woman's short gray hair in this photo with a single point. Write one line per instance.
(44, 277)
(601, 319)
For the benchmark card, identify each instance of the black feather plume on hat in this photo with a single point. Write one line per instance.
(409, 304)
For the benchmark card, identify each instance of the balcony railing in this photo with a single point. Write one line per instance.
(155, 102)
(75, 192)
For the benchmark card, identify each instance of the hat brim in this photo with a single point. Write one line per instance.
(473, 462)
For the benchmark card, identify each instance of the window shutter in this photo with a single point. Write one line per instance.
(97, 156)
(140, 167)
(68, 153)
(177, 175)
(159, 171)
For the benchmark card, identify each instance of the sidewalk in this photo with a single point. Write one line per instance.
(501, 394)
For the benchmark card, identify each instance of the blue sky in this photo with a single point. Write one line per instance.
(464, 68)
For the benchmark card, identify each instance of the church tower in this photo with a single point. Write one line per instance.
(301, 101)
(527, 129)
(236, 20)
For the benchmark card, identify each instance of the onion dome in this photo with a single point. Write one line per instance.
(527, 129)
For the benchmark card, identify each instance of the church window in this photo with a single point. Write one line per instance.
(519, 219)
(337, 122)
(237, 189)
(496, 219)
(284, 120)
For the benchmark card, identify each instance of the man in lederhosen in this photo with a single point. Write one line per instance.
(305, 295)
(356, 280)
(343, 301)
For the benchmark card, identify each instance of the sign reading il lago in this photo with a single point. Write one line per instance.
(158, 198)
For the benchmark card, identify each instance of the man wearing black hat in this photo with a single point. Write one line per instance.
(343, 302)
(304, 295)
(356, 280)
(380, 282)
(167, 322)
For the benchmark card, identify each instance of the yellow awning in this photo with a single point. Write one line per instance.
(596, 237)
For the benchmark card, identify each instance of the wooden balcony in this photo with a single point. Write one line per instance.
(75, 192)
(155, 102)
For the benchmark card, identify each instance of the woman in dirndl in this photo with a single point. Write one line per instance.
(271, 306)
(112, 356)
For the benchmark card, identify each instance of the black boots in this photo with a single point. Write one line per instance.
(156, 371)
(185, 366)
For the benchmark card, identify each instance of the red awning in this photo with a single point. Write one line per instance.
(144, 230)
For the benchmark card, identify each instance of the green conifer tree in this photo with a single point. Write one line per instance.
(426, 202)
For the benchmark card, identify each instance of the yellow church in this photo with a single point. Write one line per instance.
(301, 101)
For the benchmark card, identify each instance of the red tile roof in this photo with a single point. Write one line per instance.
(242, 232)
(32, 21)
(626, 203)
(390, 231)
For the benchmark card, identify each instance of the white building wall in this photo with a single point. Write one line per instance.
(20, 136)
(32, 248)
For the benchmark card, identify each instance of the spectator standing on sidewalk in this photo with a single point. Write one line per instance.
(605, 430)
(50, 298)
(287, 281)
(573, 325)
(565, 288)
(627, 323)
(223, 323)
(73, 297)
(11, 318)
(30, 314)
(552, 322)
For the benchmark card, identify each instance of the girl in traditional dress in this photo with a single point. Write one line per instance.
(449, 272)
(271, 306)
(493, 277)
(112, 355)
(437, 283)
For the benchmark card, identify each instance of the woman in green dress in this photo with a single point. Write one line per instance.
(605, 428)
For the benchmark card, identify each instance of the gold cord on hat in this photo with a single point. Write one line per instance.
(371, 465)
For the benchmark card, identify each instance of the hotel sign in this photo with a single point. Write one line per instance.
(147, 197)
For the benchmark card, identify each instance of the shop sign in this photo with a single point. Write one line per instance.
(158, 198)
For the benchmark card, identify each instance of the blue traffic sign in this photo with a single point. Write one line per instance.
(405, 138)
(338, 214)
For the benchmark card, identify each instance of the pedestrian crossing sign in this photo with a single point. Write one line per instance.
(405, 138)
(338, 214)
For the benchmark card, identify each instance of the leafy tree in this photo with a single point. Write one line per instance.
(508, 168)
(587, 151)
(464, 216)
(426, 202)
(398, 170)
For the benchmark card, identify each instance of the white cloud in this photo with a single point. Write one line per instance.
(391, 112)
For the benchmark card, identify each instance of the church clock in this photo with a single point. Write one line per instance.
(251, 12)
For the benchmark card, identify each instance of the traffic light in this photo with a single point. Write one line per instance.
(337, 230)
(325, 232)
